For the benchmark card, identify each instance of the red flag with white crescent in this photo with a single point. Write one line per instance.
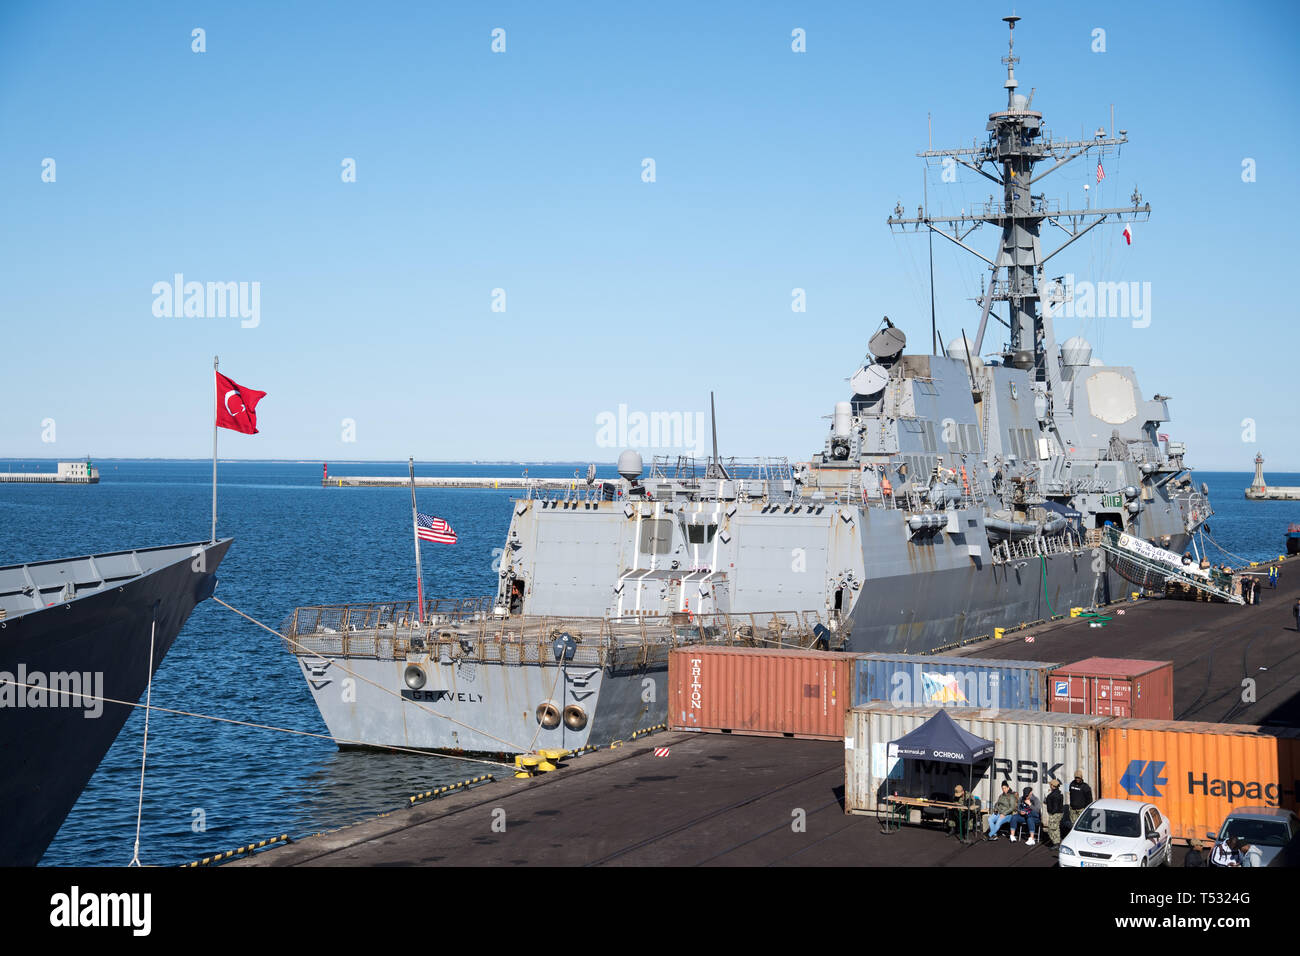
(237, 406)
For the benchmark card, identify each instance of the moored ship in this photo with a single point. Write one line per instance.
(73, 633)
(957, 491)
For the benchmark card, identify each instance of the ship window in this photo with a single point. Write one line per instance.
(656, 536)
(700, 533)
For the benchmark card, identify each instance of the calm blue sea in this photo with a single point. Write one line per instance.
(298, 543)
(295, 543)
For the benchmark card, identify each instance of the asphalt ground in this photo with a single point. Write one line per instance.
(1214, 648)
(714, 800)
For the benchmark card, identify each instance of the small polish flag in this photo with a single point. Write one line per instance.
(1128, 235)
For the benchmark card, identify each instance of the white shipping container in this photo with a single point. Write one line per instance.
(1031, 748)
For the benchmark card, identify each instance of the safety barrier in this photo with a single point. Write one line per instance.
(231, 854)
(450, 788)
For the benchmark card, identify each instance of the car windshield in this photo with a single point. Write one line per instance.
(1119, 823)
(1256, 832)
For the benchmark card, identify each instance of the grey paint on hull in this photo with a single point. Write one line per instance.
(50, 753)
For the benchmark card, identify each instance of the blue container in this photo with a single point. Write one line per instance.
(912, 680)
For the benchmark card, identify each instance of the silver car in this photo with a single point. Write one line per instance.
(1268, 830)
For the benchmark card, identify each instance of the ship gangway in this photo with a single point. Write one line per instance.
(1152, 567)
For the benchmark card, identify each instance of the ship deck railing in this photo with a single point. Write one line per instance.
(375, 631)
(689, 468)
(1038, 546)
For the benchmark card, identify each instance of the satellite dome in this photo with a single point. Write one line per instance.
(1020, 102)
(1076, 351)
(960, 347)
(630, 465)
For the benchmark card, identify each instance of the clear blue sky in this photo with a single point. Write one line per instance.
(522, 171)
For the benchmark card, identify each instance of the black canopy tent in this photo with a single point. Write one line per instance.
(940, 739)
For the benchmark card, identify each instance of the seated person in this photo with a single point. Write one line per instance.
(1030, 811)
(968, 802)
(1004, 809)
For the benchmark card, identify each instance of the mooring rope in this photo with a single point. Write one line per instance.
(1206, 534)
(144, 747)
(246, 723)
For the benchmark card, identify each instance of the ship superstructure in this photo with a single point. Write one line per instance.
(956, 492)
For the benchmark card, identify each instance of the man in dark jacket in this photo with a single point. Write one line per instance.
(1054, 804)
(1080, 796)
(1194, 855)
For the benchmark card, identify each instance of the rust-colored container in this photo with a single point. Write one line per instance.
(1113, 687)
(772, 693)
(1195, 773)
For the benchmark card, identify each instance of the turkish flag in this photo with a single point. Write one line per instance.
(237, 406)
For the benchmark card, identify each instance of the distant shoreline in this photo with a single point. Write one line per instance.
(314, 461)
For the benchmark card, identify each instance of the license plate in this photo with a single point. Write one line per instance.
(1092, 864)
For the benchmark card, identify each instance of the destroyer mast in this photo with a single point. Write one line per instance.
(1017, 142)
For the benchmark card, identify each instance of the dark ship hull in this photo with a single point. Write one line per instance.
(81, 623)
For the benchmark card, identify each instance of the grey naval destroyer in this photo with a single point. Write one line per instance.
(74, 627)
(955, 493)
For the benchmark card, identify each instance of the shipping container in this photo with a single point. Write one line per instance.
(760, 691)
(910, 680)
(1031, 748)
(1114, 687)
(1195, 773)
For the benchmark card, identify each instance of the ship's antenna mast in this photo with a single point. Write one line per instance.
(925, 192)
(719, 471)
(1017, 141)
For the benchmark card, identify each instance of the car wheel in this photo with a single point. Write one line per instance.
(1144, 862)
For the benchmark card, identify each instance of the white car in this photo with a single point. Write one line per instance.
(1118, 833)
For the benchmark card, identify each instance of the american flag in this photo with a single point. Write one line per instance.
(1101, 173)
(429, 528)
(1164, 437)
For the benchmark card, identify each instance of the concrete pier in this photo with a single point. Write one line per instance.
(397, 481)
(1215, 648)
(730, 800)
(714, 800)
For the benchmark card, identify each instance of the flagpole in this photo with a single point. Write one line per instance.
(216, 398)
(415, 530)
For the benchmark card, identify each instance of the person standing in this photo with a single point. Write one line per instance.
(1296, 611)
(1081, 793)
(1054, 804)
(1194, 856)
(1226, 853)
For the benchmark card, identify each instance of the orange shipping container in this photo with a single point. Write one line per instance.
(1196, 774)
(746, 690)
